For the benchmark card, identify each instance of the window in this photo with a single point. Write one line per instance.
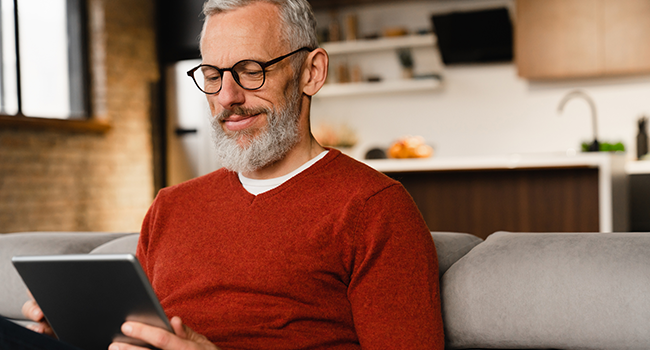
(44, 70)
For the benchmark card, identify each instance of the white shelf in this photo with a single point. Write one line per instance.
(350, 89)
(356, 46)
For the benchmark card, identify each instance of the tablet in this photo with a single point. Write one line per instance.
(86, 298)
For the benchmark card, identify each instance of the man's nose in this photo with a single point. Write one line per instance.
(231, 93)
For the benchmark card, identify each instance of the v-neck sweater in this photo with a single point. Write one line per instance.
(337, 257)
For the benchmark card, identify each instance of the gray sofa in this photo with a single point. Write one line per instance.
(511, 291)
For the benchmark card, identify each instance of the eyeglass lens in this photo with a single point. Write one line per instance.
(248, 74)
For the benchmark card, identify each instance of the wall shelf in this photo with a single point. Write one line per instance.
(389, 86)
(368, 45)
(375, 47)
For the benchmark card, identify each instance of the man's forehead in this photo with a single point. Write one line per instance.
(252, 32)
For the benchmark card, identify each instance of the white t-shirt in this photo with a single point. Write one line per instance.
(256, 187)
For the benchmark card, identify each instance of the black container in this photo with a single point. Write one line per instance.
(642, 138)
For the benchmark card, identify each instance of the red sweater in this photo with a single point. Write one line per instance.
(338, 257)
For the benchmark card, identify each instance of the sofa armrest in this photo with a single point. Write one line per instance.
(125, 244)
(13, 293)
(550, 291)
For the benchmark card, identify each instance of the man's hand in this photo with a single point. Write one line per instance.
(33, 312)
(184, 339)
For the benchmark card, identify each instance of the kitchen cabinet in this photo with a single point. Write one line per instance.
(519, 193)
(639, 182)
(486, 201)
(640, 202)
(627, 33)
(329, 4)
(557, 39)
(344, 50)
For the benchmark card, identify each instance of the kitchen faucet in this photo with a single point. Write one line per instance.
(594, 146)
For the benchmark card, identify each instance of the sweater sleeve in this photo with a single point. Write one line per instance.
(142, 248)
(146, 235)
(394, 290)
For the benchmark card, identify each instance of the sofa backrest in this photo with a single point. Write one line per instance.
(451, 246)
(13, 293)
(126, 244)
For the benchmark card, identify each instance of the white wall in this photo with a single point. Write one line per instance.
(487, 109)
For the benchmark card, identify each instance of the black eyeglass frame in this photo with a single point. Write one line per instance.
(234, 74)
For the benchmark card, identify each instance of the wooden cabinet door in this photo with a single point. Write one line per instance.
(558, 38)
(582, 38)
(626, 28)
(481, 202)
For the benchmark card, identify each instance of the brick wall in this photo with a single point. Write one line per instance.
(77, 181)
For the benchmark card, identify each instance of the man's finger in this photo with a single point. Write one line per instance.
(155, 336)
(185, 332)
(178, 327)
(32, 311)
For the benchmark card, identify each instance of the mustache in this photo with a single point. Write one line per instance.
(243, 111)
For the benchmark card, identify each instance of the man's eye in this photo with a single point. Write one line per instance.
(252, 73)
(210, 73)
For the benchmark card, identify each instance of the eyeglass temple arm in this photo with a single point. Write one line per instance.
(276, 60)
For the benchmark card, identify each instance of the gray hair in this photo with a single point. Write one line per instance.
(299, 23)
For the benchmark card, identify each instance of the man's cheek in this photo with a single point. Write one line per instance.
(215, 107)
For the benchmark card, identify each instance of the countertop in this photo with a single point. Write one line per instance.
(637, 167)
(512, 161)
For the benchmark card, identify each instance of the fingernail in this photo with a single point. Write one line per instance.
(113, 347)
(126, 329)
(36, 313)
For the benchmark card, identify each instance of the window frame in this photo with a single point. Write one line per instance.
(77, 15)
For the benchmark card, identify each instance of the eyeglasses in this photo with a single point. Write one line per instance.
(248, 74)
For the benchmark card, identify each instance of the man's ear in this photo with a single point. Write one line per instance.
(314, 71)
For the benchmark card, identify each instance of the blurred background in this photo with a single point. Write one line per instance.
(98, 113)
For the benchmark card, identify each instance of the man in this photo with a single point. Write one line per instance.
(290, 246)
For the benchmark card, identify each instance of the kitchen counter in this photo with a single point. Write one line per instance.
(513, 161)
(508, 162)
(611, 173)
(636, 167)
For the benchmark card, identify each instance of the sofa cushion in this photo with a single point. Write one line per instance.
(451, 246)
(550, 290)
(126, 244)
(12, 290)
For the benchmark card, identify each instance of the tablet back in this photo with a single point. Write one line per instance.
(86, 298)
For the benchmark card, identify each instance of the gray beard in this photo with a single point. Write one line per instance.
(271, 145)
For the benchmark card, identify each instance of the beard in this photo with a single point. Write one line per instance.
(273, 142)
